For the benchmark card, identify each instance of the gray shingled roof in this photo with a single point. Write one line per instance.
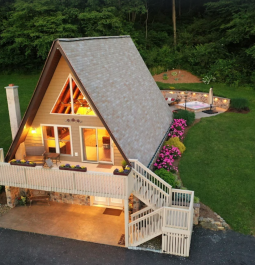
(123, 90)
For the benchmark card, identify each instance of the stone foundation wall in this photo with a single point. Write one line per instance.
(12, 194)
(197, 96)
(69, 198)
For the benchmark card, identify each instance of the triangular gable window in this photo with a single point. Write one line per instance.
(72, 101)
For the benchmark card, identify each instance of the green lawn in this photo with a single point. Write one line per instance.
(219, 163)
(26, 85)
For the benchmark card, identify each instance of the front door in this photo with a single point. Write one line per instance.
(96, 145)
(108, 202)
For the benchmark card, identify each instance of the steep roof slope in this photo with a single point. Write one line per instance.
(117, 80)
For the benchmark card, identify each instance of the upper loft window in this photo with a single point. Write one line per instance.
(72, 101)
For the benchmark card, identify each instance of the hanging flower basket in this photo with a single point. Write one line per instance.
(73, 168)
(24, 163)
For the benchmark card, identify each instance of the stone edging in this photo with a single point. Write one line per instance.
(211, 224)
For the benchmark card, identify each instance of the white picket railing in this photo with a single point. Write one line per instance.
(141, 213)
(87, 183)
(146, 227)
(181, 198)
(151, 176)
(148, 192)
(176, 218)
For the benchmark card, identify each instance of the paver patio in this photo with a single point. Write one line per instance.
(86, 223)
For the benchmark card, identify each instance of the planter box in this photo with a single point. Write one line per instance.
(124, 173)
(23, 165)
(73, 169)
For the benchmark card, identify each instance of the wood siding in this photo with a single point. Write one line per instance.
(44, 116)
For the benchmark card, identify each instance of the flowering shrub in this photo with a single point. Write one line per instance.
(175, 141)
(166, 158)
(177, 128)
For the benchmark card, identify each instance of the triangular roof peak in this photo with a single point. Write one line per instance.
(114, 78)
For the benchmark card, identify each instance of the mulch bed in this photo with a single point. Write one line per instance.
(238, 111)
(181, 77)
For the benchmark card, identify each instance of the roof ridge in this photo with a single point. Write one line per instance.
(92, 38)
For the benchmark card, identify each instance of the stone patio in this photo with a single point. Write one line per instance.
(86, 223)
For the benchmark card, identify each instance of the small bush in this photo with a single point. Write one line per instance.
(189, 116)
(165, 77)
(239, 103)
(196, 199)
(167, 176)
(123, 163)
(157, 70)
(175, 141)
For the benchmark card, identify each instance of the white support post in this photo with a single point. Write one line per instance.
(126, 213)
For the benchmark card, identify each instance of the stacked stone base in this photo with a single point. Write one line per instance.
(211, 224)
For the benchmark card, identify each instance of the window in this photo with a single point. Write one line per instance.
(72, 101)
(57, 139)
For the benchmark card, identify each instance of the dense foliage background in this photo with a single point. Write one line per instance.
(213, 37)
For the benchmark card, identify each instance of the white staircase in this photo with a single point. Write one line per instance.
(169, 212)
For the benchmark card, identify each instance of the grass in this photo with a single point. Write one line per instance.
(26, 85)
(218, 163)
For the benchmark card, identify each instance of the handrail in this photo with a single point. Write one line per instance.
(155, 179)
(141, 213)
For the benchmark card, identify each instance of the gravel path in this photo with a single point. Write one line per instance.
(207, 248)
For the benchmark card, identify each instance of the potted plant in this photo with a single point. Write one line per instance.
(73, 168)
(122, 172)
(22, 162)
(124, 164)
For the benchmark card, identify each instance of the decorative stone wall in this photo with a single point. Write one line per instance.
(197, 96)
(12, 194)
(69, 198)
(211, 224)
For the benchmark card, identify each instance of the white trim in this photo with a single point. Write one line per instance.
(56, 137)
(58, 97)
(97, 161)
(70, 77)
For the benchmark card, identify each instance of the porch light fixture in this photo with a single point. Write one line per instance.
(216, 99)
(205, 95)
(33, 130)
(194, 94)
(224, 100)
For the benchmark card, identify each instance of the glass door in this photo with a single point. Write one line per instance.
(89, 137)
(96, 145)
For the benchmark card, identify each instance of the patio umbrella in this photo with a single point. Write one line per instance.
(210, 97)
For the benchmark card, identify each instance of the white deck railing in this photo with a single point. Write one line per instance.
(86, 183)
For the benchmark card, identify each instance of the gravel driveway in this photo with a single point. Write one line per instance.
(207, 248)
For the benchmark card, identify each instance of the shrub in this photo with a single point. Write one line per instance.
(167, 176)
(177, 128)
(207, 79)
(123, 163)
(175, 141)
(239, 103)
(166, 158)
(196, 199)
(186, 115)
(165, 77)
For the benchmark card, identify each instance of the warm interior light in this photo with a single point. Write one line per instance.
(171, 92)
(182, 93)
(33, 130)
(224, 100)
(194, 94)
(205, 95)
(216, 99)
